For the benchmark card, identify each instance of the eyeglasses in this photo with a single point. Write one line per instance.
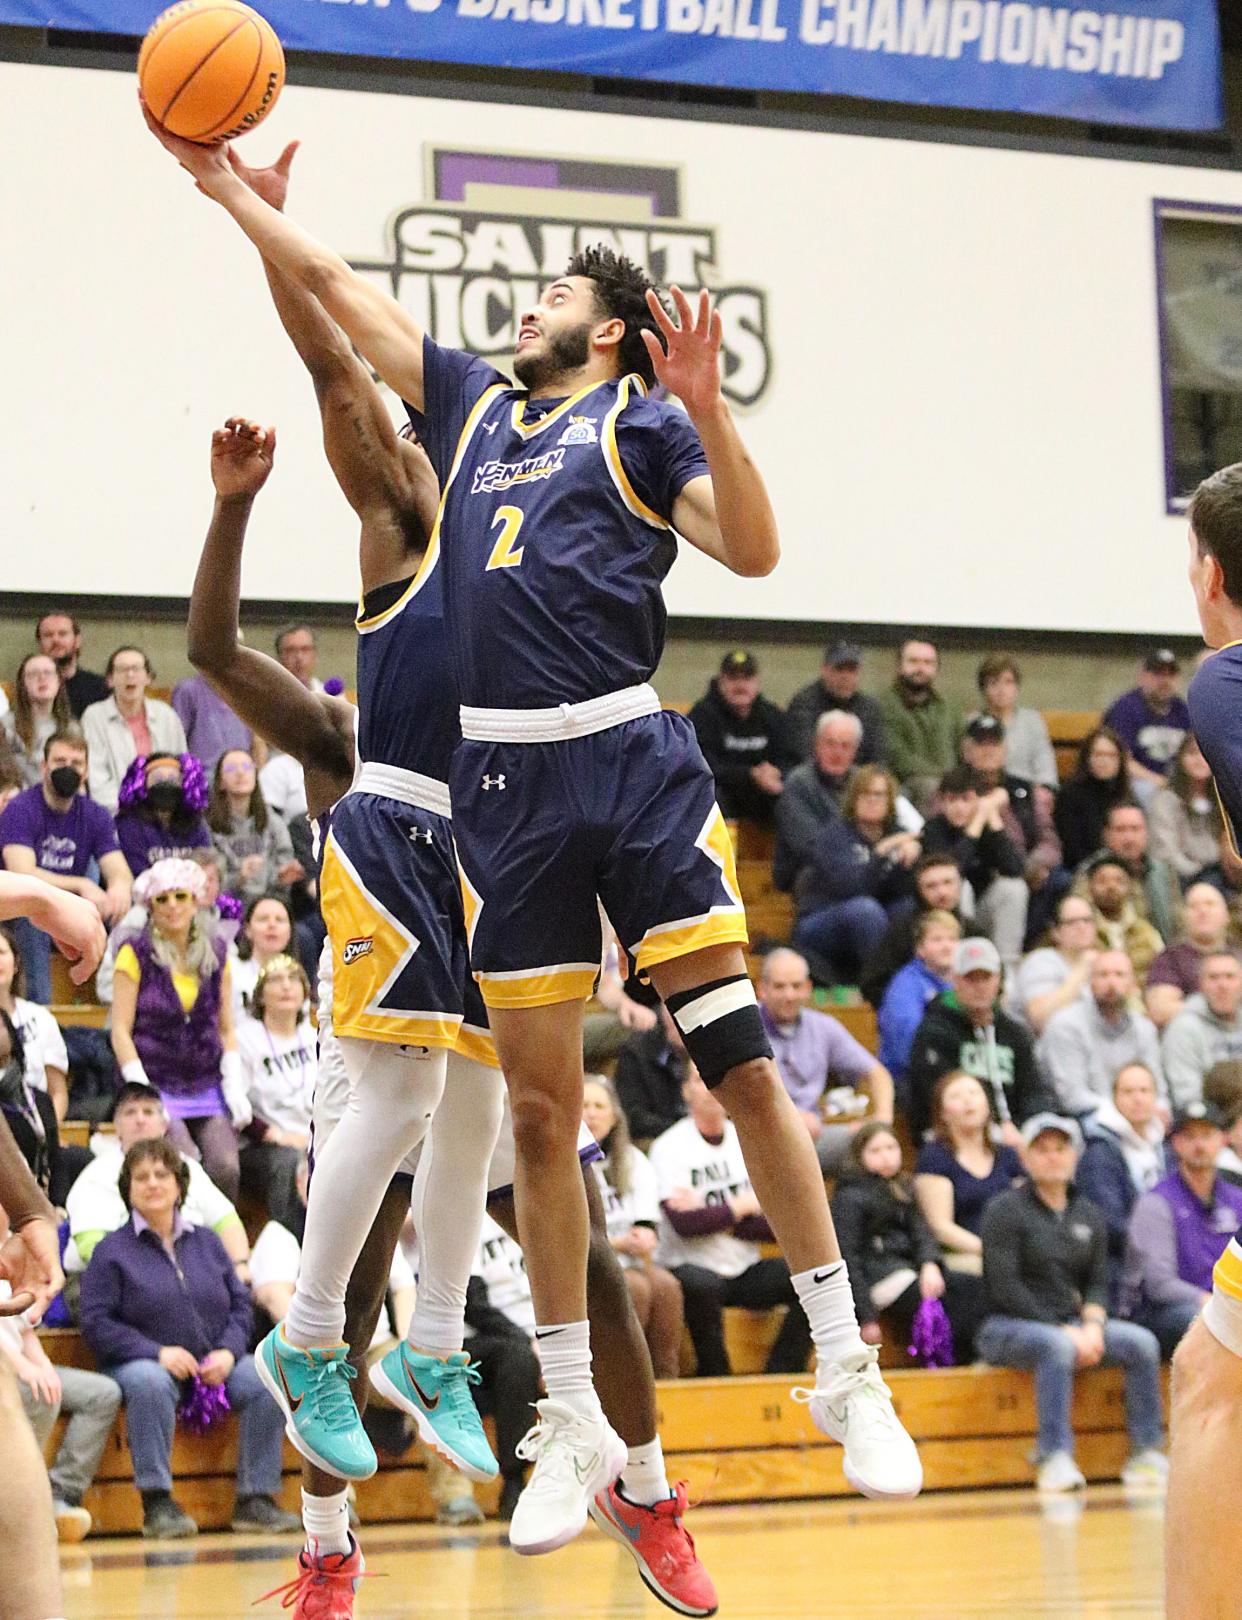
(237, 768)
(179, 895)
(1066, 921)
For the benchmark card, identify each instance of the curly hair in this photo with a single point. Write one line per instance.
(133, 793)
(621, 288)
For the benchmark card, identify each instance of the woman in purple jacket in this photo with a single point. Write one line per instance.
(172, 1020)
(161, 1304)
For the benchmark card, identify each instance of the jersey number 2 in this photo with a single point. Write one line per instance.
(505, 554)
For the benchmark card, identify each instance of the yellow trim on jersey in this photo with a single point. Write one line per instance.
(1228, 1273)
(716, 842)
(467, 433)
(612, 458)
(476, 1043)
(668, 941)
(541, 987)
(421, 575)
(471, 903)
(519, 407)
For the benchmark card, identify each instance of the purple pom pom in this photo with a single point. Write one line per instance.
(229, 907)
(334, 686)
(203, 1406)
(931, 1337)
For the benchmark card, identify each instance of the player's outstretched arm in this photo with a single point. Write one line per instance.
(728, 515)
(70, 920)
(377, 478)
(377, 326)
(312, 728)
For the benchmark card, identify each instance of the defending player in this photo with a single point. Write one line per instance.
(650, 1520)
(572, 784)
(1205, 1474)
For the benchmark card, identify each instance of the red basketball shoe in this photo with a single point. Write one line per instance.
(661, 1546)
(324, 1586)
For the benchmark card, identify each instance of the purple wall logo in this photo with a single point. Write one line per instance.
(497, 227)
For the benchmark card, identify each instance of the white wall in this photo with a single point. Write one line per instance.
(963, 423)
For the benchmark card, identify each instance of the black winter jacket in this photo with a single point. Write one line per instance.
(879, 1233)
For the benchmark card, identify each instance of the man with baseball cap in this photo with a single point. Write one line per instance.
(1179, 1230)
(744, 739)
(836, 687)
(1045, 1274)
(1024, 811)
(967, 1028)
(1152, 719)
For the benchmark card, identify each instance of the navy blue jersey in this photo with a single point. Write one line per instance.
(554, 530)
(1215, 699)
(407, 700)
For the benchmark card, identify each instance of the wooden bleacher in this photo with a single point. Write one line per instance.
(736, 1439)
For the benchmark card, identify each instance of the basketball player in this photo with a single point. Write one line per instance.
(30, 1263)
(558, 510)
(261, 691)
(1205, 1474)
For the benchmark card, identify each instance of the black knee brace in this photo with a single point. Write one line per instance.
(721, 1026)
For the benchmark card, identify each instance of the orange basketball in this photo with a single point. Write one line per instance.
(210, 69)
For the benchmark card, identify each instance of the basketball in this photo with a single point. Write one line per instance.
(210, 69)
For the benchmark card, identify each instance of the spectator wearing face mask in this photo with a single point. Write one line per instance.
(160, 815)
(54, 830)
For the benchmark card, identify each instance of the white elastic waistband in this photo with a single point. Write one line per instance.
(407, 787)
(564, 721)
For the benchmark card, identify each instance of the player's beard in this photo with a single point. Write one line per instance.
(565, 352)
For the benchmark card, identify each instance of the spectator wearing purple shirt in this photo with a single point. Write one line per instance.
(160, 813)
(814, 1052)
(1152, 719)
(56, 831)
(211, 727)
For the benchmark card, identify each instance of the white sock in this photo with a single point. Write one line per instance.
(326, 1522)
(828, 1301)
(564, 1351)
(643, 1480)
(394, 1092)
(449, 1198)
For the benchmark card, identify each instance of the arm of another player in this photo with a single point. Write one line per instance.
(71, 921)
(372, 320)
(359, 439)
(257, 688)
(728, 515)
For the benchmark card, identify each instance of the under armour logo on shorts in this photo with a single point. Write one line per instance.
(490, 782)
(418, 832)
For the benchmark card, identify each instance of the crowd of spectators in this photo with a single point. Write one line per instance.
(1043, 1151)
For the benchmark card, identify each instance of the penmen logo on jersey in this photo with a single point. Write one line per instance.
(496, 227)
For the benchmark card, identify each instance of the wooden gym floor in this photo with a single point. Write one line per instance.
(950, 1556)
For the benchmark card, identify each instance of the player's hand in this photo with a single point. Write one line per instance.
(242, 454)
(271, 184)
(688, 362)
(208, 164)
(75, 928)
(30, 1264)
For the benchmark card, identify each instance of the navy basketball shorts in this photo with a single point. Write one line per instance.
(548, 832)
(391, 900)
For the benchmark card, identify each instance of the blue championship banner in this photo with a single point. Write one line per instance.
(1153, 63)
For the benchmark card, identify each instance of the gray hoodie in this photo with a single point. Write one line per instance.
(1193, 1042)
